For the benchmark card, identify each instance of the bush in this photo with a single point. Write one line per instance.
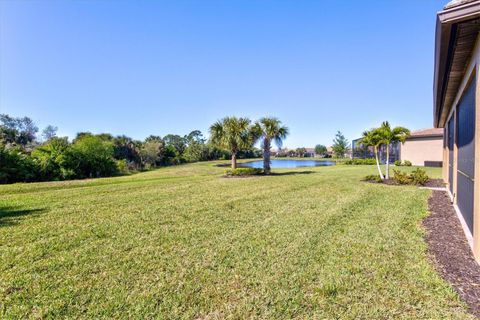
(17, 167)
(419, 176)
(357, 162)
(398, 163)
(243, 172)
(407, 163)
(373, 177)
(401, 177)
(91, 157)
(122, 166)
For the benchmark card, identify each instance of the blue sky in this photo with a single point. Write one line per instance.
(159, 67)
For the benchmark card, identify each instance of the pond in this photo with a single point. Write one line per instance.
(274, 164)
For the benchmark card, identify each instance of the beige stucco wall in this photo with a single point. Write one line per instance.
(419, 150)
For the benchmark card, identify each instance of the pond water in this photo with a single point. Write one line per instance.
(286, 164)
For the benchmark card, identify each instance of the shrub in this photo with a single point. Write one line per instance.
(407, 163)
(373, 177)
(243, 172)
(91, 157)
(401, 177)
(398, 163)
(357, 162)
(122, 166)
(419, 176)
(17, 167)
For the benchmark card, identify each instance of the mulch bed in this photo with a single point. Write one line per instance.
(450, 251)
(431, 183)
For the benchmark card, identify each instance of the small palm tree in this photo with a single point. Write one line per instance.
(372, 139)
(232, 134)
(388, 136)
(269, 129)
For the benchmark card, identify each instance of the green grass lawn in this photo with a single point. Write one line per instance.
(185, 243)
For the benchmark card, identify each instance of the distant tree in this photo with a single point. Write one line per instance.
(320, 149)
(170, 156)
(232, 134)
(268, 130)
(292, 153)
(81, 135)
(178, 142)
(151, 152)
(340, 145)
(390, 135)
(301, 152)
(21, 131)
(49, 132)
(124, 148)
(195, 136)
(90, 157)
(105, 136)
(153, 138)
(17, 166)
(196, 149)
(51, 158)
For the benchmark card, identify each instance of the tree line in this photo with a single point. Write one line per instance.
(27, 156)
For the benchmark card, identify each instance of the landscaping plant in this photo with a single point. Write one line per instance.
(243, 172)
(388, 136)
(419, 176)
(269, 129)
(372, 139)
(233, 134)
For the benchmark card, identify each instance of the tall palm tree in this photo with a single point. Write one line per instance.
(269, 129)
(372, 139)
(232, 134)
(389, 136)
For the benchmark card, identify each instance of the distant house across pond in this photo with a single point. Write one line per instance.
(306, 153)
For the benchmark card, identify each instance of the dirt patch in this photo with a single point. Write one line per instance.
(450, 251)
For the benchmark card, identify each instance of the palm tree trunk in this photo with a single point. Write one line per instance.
(234, 160)
(375, 150)
(387, 174)
(266, 156)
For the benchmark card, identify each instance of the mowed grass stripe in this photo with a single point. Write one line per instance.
(183, 243)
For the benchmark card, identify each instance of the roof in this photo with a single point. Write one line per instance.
(432, 132)
(456, 3)
(456, 32)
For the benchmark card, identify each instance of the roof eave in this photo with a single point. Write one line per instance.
(446, 19)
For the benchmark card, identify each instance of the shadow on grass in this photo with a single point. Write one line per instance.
(291, 173)
(10, 215)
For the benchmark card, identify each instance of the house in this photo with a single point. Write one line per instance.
(310, 152)
(456, 109)
(423, 148)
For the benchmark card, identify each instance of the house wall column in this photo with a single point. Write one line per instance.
(445, 163)
(476, 201)
(455, 154)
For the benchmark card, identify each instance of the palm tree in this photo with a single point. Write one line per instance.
(232, 134)
(270, 129)
(389, 136)
(372, 139)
